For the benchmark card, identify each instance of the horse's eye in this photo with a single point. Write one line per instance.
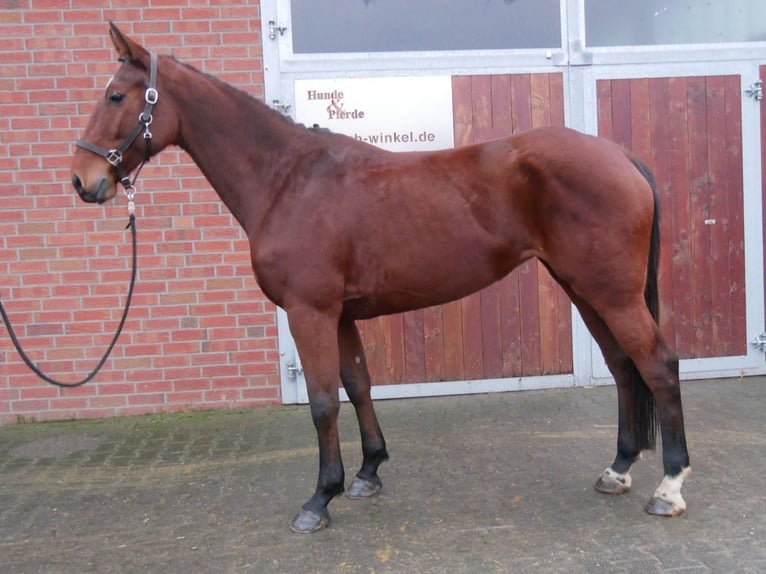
(116, 97)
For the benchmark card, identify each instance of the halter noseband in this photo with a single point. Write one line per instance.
(114, 156)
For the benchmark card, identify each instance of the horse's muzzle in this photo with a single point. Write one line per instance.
(98, 193)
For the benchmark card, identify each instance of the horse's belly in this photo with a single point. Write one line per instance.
(428, 279)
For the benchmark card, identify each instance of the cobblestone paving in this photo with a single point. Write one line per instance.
(488, 483)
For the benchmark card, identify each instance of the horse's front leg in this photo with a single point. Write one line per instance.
(316, 337)
(356, 381)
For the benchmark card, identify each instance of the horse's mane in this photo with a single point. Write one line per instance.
(246, 96)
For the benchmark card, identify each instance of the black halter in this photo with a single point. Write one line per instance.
(115, 156)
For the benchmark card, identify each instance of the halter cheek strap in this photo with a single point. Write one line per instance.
(115, 156)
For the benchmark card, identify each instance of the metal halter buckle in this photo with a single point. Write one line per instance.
(114, 157)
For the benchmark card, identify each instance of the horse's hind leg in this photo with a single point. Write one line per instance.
(356, 381)
(638, 335)
(634, 431)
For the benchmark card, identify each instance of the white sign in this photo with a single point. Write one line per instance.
(397, 114)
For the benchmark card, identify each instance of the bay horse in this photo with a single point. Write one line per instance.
(340, 230)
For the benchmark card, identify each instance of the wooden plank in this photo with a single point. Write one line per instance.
(452, 317)
(481, 105)
(481, 118)
(604, 109)
(462, 110)
(540, 99)
(452, 320)
(621, 113)
(501, 330)
(433, 343)
(549, 321)
(496, 96)
(548, 330)
(531, 345)
(510, 326)
(736, 232)
(414, 347)
(489, 298)
(502, 124)
(521, 112)
(529, 310)
(557, 99)
(372, 332)
(679, 213)
(566, 361)
(640, 119)
(508, 297)
(648, 134)
(563, 305)
(660, 164)
(719, 333)
(473, 360)
(562, 362)
(699, 202)
(395, 370)
(491, 335)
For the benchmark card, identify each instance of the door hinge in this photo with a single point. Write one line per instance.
(274, 30)
(755, 90)
(293, 371)
(759, 342)
(281, 106)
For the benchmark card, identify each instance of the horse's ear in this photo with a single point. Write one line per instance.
(127, 49)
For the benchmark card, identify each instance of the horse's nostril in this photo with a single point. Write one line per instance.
(77, 184)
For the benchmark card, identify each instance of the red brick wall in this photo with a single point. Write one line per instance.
(200, 334)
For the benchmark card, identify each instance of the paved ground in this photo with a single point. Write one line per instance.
(489, 483)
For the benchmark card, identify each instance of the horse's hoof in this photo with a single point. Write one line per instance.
(362, 488)
(309, 521)
(667, 499)
(611, 482)
(659, 507)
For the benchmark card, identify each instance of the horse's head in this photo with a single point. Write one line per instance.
(129, 124)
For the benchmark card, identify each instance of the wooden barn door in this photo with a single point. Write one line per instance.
(689, 130)
(519, 327)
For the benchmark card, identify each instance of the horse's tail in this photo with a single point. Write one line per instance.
(644, 409)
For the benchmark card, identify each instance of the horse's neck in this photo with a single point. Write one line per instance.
(238, 143)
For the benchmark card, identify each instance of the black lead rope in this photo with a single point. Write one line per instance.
(46, 378)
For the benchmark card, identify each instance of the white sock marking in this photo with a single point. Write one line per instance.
(670, 489)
